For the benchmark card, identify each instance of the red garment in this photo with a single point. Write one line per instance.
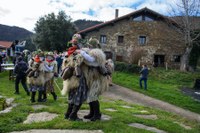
(37, 59)
(49, 60)
(71, 50)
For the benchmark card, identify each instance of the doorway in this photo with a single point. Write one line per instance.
(159, 60)
(108, 54)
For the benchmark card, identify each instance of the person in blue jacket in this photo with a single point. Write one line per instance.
(143, 77)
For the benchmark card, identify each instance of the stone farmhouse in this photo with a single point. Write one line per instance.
(143, 36)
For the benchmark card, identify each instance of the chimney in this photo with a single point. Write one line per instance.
(116, 13)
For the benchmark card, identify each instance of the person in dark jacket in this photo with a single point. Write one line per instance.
(143, 77)
(20, 70)
(17, 54)
(59, 63)
(1, 60)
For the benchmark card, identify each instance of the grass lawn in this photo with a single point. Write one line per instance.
(163, 85)
(13, 121)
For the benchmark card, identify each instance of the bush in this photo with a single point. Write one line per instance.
(2, 103)
(124, 67)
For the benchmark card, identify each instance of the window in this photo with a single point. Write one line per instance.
(119, 58)
(139, 18)
(148, 18)
(177, 58)
(143, 18)
(142, 40)
(120, 39)
(103, 39)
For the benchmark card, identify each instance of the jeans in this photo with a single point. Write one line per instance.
(145, 82)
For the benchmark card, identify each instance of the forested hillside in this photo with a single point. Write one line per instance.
(10, 33)
(83, 24)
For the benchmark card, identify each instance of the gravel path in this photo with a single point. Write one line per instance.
(118, 92)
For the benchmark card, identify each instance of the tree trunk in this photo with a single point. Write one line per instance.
(185, 60)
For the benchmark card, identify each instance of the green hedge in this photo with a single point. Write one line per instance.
(129, 68)
(2, 103)
(194, 55)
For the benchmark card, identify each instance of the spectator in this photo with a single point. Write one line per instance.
(17, 54)
(3, 54)
(143, 77)
(20, 70)
(1, 60)
(59, 62)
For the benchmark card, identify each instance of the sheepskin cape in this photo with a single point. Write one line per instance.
(73, 82)
(44, 75)
(96, 82)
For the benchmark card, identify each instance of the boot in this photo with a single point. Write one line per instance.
(26, 89)
(91, 113)
(97, 114)
(54, 96)
(40, 96)
(33, 97)
(44, 96)
(69, 110)
(28, 93)
(73, 116)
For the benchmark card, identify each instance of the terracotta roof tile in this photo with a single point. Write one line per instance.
(5, 44)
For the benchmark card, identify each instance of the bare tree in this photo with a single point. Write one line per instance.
(186, 11)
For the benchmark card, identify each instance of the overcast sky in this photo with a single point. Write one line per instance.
(25, 13)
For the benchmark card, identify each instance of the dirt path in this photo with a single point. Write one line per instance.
(118, 92)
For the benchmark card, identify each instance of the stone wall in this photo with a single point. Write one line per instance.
(162, 39)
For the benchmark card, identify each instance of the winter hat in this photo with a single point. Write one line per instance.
(76, 38)
(50, 57)
(26, 52)
(94, 43)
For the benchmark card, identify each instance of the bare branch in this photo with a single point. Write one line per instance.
(185, 14)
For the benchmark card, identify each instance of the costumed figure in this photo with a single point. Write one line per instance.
(32, 71)
(50, 66)
(110, 69)
(74, 81)
(35, 78)
(27, 55)
(95, 76)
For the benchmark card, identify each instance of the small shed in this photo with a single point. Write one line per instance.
(7, 46)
